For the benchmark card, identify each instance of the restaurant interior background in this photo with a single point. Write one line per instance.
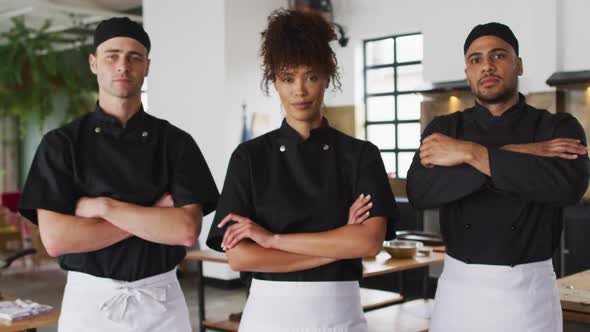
(402, 64)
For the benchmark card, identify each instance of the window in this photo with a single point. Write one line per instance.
(393, 73)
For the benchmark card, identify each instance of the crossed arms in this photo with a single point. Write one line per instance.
(553, 171)
(250, 247)
(101, 222)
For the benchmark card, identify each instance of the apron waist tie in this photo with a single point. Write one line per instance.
(116, 306)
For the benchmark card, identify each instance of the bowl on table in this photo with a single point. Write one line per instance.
(402, 249)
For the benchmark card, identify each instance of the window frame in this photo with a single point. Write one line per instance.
(395, 93)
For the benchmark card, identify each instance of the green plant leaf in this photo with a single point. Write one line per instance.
(33, 73)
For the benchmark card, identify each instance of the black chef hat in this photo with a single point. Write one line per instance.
(120, 27)
(492, 29)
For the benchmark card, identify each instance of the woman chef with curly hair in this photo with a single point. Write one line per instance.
(303, 203)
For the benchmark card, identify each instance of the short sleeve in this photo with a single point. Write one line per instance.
(50, 182)
(191, 179)
(373, 180)
(235, 196)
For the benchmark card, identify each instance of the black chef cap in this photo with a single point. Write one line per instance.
(492, 29)
(120, 27)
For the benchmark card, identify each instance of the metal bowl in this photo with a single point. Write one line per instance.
(402, 249)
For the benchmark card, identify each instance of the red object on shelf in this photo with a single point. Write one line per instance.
(10, 200)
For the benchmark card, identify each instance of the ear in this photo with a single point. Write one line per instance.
(92, 63)
(147, 69)
(519, 67)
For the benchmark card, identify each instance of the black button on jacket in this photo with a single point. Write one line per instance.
(290, 185)
(514, 216)
(96, 156)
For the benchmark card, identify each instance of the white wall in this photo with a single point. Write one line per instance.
(444, 25)
(187, 73)
(345, 57)
(244, 23)
(187, 80)
(551, 35)
(574, 44)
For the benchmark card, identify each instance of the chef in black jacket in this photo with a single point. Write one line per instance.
(501, 173)
(118, 194)
(302, 204)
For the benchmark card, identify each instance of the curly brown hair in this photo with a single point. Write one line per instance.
(293, 38)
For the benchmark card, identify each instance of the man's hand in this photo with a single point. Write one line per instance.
(88, 207)
(359, 210)
(242, 229)
(165, 201)
(566, 148)
(441, 150)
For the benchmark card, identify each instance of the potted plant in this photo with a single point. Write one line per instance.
(36, 67)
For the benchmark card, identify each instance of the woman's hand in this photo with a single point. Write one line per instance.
(242, 229)
(359, 210)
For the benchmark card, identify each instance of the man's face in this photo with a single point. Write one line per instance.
(492, 69)
(120, 65)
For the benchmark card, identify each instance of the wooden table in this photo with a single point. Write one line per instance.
(370, 299)
(29, 324)
(384, 264)
(574, 293)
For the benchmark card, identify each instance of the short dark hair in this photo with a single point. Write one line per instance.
(293, 38)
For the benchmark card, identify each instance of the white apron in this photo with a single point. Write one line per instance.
(281, 306)
(476, 297)
(100, 304)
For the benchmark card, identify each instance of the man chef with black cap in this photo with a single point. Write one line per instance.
(501, 173)
(118, 194)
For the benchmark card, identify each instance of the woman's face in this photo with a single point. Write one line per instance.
(302, 93)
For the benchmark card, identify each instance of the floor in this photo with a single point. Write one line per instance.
(45, 285)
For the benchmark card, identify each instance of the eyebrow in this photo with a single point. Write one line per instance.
(493, 50)
(293, 73)
(499, 49)
(474, 54)
(116, 50)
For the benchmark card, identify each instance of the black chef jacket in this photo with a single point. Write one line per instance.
(96, 156)
(514, 216)
(290, 185)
